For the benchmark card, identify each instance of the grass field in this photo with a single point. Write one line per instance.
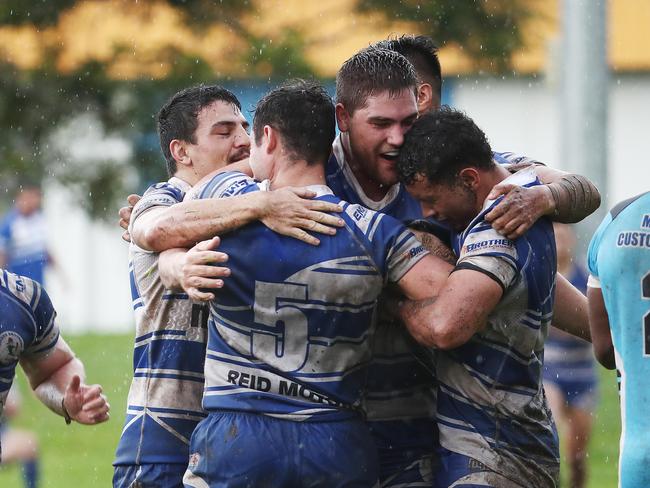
(81, 456)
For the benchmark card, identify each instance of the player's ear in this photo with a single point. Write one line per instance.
(425, 98)
(470, 178)
(342, 117)
(269, 139)
(178, 150)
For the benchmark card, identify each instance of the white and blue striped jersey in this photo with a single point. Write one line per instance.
(290, 333)
(400, 387)
(491, 404)
(619, 264)
(23, 240)
(27, 326)
(164, 402)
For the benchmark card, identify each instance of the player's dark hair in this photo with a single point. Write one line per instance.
(177, 119)
(440, 144)
(303, 114)
(371, 71)
(422, 52)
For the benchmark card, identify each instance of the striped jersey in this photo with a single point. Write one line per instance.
(491, 404)
(619, 264)
(290, 333)
(24, 242)
(164, 402)
(400, 386)
(27, 326)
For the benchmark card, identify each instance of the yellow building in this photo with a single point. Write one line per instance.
(135, 38)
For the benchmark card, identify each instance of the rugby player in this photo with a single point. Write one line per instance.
(490, 321)
(30, 336)
(201, 129)
(404, 399)
(289, 335)
(619, 315)
(376, 105)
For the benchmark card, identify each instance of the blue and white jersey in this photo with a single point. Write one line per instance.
(27, 326)
(619, 264)
(399, 386)
(164, 402)
(290, 333)
(491, 404)
(506, 158)
(23, 241)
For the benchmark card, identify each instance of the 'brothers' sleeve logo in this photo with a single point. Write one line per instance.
(11, 347)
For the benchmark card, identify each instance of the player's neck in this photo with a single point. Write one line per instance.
(489, 179)
(298, 173)
(188, 176)
(373, 189)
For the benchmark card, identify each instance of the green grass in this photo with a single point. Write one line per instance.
(78, 455)
(81, 456)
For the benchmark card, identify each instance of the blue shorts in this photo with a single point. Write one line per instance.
(149, 475)
(239, 449)
(461, 471)
(579, 388)
(406, 451)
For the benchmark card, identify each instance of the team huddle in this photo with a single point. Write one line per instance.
(356, 310)
(373, 310)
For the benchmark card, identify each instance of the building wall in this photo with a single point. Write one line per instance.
(520, 115)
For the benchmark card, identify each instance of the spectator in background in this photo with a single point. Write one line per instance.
(23, 249)
(569, 374)
(18, 445)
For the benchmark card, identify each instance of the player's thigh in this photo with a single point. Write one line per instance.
(579, 425)
(149, 476)
(18, 445)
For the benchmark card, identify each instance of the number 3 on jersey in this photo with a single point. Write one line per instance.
(283, 343)
(645, 293)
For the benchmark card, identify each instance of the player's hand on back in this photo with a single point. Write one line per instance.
(292, 212)
(85, 403)
(520, 208)
(125, 215)
(201, 270)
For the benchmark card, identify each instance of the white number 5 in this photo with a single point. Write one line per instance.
(284, 344)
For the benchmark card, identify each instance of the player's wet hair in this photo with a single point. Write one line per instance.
(177, 119)
(303, 114)
(440, 144)
(422, 52)
(371, 71)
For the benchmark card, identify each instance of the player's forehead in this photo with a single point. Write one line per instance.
(423, 189)
(394, 106)
(219, 111)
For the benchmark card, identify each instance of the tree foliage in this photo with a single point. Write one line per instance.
(488, 31)
(39, 105)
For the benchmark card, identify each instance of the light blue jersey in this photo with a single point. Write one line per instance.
(290, 333)
(164, 402)
(27, 326)
(619, 263)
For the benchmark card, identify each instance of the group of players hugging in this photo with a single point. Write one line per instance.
(402, 347)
